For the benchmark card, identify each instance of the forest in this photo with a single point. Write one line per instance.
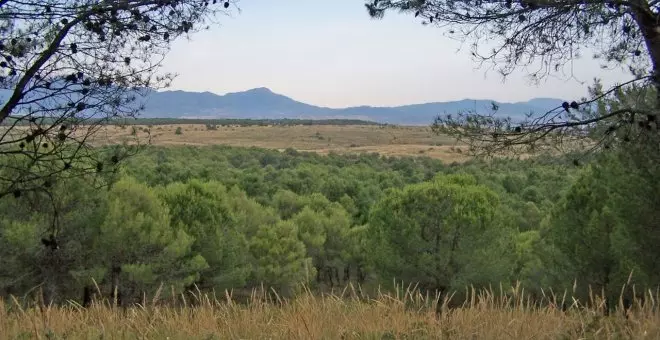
(544, 227)
(216, 218)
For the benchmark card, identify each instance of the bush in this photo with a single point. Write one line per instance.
(179, 131)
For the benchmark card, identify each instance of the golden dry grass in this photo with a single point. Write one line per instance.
(404, 315)
(323, 139)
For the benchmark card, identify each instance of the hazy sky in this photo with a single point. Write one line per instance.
(330, 53)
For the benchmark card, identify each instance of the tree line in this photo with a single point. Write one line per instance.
(220, 217)
(175, 220)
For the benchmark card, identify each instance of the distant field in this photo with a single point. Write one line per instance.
(386, 140)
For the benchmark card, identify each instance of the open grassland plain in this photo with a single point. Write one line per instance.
(323, 139)
(341, 316)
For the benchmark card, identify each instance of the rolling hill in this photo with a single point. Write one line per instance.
(262, 103)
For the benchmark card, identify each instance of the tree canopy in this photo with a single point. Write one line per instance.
(429, 232)
(544, 38)
(66, 67)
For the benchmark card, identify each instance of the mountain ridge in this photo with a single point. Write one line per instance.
(263, 103)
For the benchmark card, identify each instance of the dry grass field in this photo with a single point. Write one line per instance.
(348, 315)
(386, 140)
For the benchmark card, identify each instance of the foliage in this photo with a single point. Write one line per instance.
(137, 243)
(174, 220)
(224, 205)
(227, 218)
(34, 254)
(203, 210)
(527, 32)
(280, 260)
(548, 36)
(69, 66)
(604, 228)
(433, 233)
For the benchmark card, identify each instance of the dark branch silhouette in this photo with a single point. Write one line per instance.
(68, 68)
(545, 37)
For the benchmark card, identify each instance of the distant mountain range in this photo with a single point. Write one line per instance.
(262, 103)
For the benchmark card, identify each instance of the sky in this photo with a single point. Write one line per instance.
(331, 53)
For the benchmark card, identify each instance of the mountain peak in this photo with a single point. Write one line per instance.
(261, 102)
(263, 90)
(257, 91)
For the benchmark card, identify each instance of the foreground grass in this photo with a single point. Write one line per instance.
(399, 316)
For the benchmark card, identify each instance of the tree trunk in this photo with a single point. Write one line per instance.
(650, 28)
(87, 297)
(334, 276)
(361, 275)
(115, 294)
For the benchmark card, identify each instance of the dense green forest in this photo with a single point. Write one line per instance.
(551, 223)
(549, 229)
(215, 218)
(172, 220)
